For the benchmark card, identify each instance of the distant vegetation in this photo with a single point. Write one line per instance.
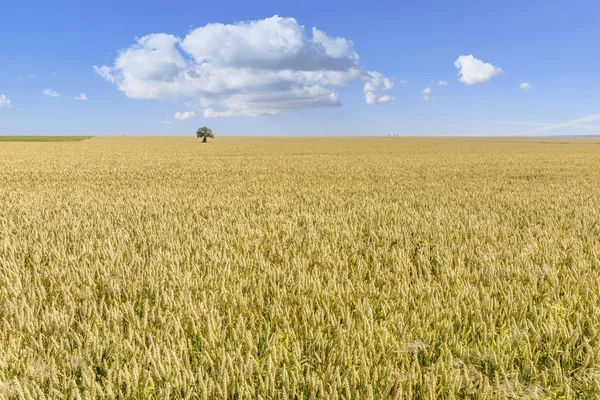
(306, 268)
(43, 138)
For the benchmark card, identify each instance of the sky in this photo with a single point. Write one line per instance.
(300, 68)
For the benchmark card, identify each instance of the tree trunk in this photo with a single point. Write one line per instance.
(204, 139)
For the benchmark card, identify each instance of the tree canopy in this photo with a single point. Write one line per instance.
(204, 133)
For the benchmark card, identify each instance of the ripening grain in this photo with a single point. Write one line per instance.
(300, 268)
(43, 138)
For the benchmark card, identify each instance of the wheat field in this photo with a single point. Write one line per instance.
(300, 268)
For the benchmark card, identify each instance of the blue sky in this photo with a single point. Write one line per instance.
(276, 76)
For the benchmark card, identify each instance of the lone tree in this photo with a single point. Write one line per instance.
(204, 133)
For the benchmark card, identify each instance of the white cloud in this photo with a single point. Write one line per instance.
(376, 82)
(185, 115)
(105, 72)
(251, 68)
(427, 90)
(442, 83)
(403, 82)
(372, 98)
(5, 102)
(51, 93)
(210, 113)
(428, 98)
(526, 86)
(81, 97)
(166, 122)
(473, 70)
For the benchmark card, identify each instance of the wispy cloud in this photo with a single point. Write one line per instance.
(5, 101)
(525, 123)
(427, 90)
(579, 122)
(81, 97)
(51, 93)
(210, 113)
(105, 73)
(542, 124)
(28, 77)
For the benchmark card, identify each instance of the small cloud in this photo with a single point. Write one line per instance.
(5, 102)
(473, 70)
(403, 82)
(442, 83)
(51, 93)
(210, 113)
(166, 122)
(185, 115)
(81, 97)
(372, 98)
(31, 76)
(427, 90)
(375, 81)
(428, 98)
(526, 86)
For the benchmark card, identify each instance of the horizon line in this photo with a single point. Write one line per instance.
(314, 136)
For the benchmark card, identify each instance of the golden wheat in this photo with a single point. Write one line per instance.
(300, 268)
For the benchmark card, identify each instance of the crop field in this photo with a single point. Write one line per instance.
(43, 138)
(306, 268)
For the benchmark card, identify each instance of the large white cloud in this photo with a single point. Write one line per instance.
(259, 67)
(473, 70)
(5, 101)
